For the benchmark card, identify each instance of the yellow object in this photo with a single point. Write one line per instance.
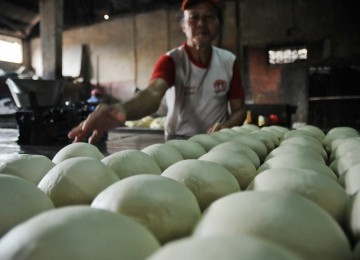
(248, 119)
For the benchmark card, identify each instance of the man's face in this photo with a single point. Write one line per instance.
(201, 24)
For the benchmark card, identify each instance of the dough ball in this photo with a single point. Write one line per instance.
(352, 179)
(338, 133)
(353, 218)
(296, 149)
(166, 207)
(247, 127)
(77, 150)
(286, 218)
(343, 163)
(19, 201)
(222, 247)
(266, 138)
(188, 149)
(206, 141)
(237, 164)
(77, 181)
(78, 232)
(126, 163)
(310, 142)
(258, 146)
(343, 146)
(294, 161)
(239, 148)
(313, 130)
(208, 181)
(324, 191)
(27, 166)
(222, 136)
(163, 154)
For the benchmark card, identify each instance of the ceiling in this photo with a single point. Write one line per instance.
(20, 18)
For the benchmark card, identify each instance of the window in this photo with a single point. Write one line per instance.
(286, 55)
(11, 49)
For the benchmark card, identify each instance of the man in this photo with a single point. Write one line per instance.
(201, 82)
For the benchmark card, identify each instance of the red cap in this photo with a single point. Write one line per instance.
(216, 3)
(187, 3)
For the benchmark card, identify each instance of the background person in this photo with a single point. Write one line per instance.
(201, 82)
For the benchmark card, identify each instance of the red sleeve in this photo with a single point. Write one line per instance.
(164, 68)
(236, 88)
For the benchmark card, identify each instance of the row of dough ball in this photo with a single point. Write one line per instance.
(206, 149)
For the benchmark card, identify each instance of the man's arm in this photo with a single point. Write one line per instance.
(106, 117)
(147, 101)
(237, 116)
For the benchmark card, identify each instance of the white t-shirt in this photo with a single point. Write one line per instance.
(199, 97)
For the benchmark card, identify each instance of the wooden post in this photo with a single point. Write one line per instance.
(51, 23)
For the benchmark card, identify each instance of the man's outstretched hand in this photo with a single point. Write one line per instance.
(104, 118)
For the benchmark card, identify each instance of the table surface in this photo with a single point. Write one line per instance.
(116, 140)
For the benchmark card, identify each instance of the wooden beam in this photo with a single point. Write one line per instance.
(51, 23)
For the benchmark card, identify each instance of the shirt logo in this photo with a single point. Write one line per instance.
(220, 86)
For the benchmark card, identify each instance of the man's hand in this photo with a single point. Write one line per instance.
(216, 127)
(104, 118)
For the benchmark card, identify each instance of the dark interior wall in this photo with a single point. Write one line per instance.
(122, 51)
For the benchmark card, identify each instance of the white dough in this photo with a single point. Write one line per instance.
(126, 163)
(237, 164)
(187, 148)
(299, 162)
(166, 207)
(205, 140)
(78, 232)
(223, 247)
(239, 148)
(313, 185)
(286, 218)
(19, 201)
(77, 150)
(77, 181)
(207, 180)
(164, 154)
(27, 166)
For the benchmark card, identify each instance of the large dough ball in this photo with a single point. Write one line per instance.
(223, 247)
(324, 191)
(164, 154)
(310, 142)
(77, 150)
(206, 141)
(343, 163)
(166, 207)
(296, 149)
(286, 218)
(78, 232)
(126, 163)
(27, 166)
(343, 146)
(19, 200)
(239, 148)
(188, 149)
(258, 146)
(353, 218)
(267, 138)
(313, 130)
(77, 181)
(338, 133)
(352, 179)
(222, 136)
(237, 164)
(294, 161)
(207, 180)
